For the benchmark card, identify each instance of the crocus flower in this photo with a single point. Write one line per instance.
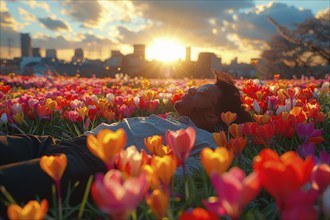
(228, 117)
(236, 130)
(324, 157)
(235, 190)
(130, 161)
(43, 112)
(237, 145)
(306, 149)
(220, 138)
(264, 134)
(181, 142)
(164, 168)
(217, 160)
(321, 177)
(19, 117)
(54, 166)
(309, 134)
(32, 210)
(300, 205)
(155, 145)
(3, 119)
(198, 214)
(118, 197)
(107, 144)
(158, 201)
(281, 175)
(4, 89)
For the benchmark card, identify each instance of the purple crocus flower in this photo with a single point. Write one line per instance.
(308, 131)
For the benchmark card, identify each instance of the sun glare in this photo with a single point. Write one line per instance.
(165, 50)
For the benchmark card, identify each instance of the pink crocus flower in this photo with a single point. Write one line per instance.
(324, 157)
(118, 197)
(320, 177)
(235, 190)
(300, 205)
(130, 161)
(126, 110)
(181, 142)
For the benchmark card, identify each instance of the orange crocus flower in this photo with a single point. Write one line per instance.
(19, 117)
(235, 130)
(237, 145)
(220, 138)
(282, 175)
(217, 160)
(261, 119)
(228, 117)
(152, 177)
(54, 166)
(107, 144)
(32, 210)
(158, 201)
(164, 167)
(155, 145)
(51, 104)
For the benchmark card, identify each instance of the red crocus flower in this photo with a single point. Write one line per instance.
(198, 214)
(282, 175)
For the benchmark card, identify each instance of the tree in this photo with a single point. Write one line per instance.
(304, 50)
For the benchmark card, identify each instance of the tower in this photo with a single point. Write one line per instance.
(139, 51)
(188, 54)
(26, 49)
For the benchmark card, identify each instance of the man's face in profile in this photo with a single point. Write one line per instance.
(198, 100)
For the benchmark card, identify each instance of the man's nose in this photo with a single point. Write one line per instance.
(192, 91)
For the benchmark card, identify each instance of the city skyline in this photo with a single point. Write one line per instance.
(227, 28)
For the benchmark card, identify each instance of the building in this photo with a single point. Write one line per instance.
(207, 63)
(78, 56)
(26, 49)
(51, 53)
(114, 63)
(36, 52)
(139, 51)
(188, 54)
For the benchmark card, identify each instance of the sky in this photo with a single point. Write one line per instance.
(230, 28)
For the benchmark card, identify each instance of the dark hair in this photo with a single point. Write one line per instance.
(230, 99)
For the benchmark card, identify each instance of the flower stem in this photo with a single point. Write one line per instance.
(186, 187)
(84, 201)
(59, 199)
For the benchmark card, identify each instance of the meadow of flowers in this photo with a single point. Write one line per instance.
(275, 167)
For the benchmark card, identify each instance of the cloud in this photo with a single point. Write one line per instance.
(195, 22)
(85, 41)
(37, 4)
(55, 25)
(87, 12)
(254, 25)
(3, 6)
(26, 15)
(324, 14)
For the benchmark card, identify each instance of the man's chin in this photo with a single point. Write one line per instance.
(177, 106)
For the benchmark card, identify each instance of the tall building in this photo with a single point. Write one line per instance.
(78, 55)
(139, 51)
(116, 53)
(208, 62)
(36, 52)
(26, 49)
(188, 54)
(51, 53)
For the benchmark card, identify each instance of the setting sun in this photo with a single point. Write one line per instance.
(166, 50)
